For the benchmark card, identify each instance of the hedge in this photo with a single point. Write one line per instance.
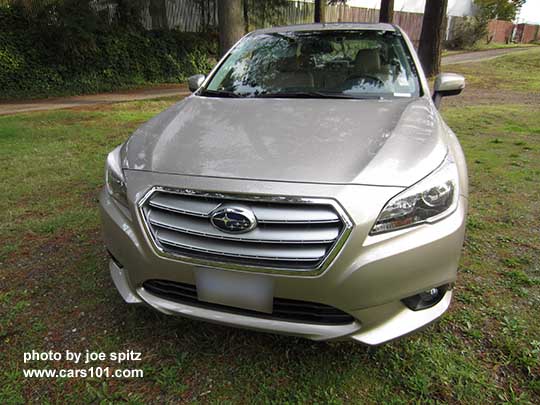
(38, 59)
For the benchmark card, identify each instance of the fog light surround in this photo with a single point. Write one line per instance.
(426, 299)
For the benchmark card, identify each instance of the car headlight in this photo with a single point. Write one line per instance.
(114, 177)
(429, 200)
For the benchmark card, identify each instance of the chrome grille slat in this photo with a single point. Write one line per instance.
(263, 252)
(191, 225)
(293, 234)
(277, 214)
(301, 215)
(184, 205)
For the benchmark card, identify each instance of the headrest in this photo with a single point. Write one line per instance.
(289, 64)
(367, 61)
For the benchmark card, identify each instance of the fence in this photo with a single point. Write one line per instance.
(500, 31)
(526, 33)
(202, 16)
(506, 32)
(199, 15)
(183, 15)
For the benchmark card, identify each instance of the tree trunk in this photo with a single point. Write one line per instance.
(246, 15)
(433, 29)
(231, 24)
(158, 14)
(320, 11)
(386, 14)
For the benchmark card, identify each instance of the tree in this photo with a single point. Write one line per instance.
(245, 10)
(207, 11)
(128, 13)
(466, 32)
(498, 9)
(386, 14)
(433, 28)
(158, 14)
(320, 9)
(231, 23)
(261, 13)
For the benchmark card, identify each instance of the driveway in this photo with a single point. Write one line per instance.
(14, 107)
(478, 56)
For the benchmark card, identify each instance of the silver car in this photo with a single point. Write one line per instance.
(308, 186)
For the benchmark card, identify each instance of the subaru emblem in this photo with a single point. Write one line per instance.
(233, 219)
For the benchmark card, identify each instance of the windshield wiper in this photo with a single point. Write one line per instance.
(313, 94)
(290, 94)
(219, 93)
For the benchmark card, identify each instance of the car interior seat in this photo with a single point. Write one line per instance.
(293, 74)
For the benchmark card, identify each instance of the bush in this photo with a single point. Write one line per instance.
(47, 54)
(466, 33)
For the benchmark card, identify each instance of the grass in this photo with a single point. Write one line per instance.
(55, 292)
(482, 46)
(517, 72)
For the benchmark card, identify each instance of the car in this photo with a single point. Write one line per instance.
(308, 186)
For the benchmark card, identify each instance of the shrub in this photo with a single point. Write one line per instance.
(466, 33)
(42, 54)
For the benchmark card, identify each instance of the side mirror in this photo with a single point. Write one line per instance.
(447, 84)
(195, 81)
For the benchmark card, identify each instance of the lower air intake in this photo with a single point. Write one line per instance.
(284, 309)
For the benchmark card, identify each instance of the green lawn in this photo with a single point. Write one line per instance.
(518, 72)
(482, 46)
(55, 292)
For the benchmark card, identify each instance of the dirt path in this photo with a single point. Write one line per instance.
(479, 56)
(14, 107)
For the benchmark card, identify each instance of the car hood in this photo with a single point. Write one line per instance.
(340, 141)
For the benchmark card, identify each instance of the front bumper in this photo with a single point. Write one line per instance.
(367, 279)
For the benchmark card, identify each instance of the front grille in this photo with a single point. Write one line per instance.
(284, 309)
(290, 234)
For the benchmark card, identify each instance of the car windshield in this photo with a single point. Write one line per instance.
(339, 64)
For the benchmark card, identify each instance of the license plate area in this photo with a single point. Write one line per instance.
(253, 292)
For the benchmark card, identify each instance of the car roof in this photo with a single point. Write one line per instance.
(330, 27)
